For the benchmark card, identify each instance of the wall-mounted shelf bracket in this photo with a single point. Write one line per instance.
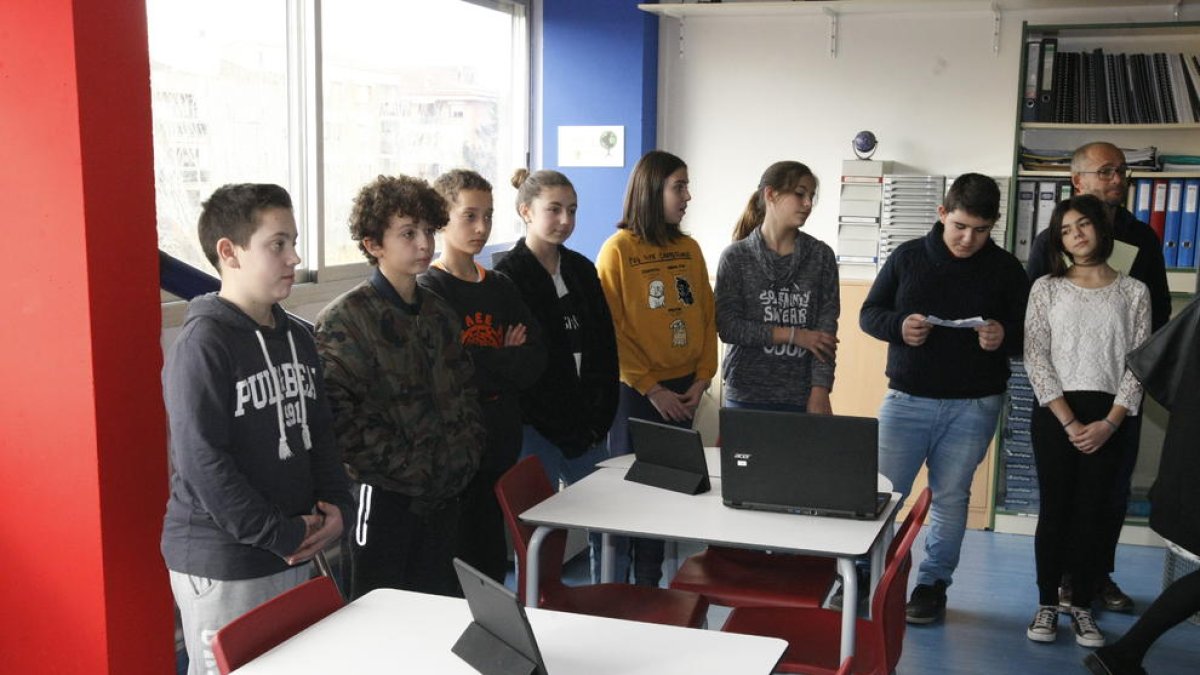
(682, 27)
(995, 29)
(833, 31)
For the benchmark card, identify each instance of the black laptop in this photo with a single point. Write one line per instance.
(499, 640)
(821, 465)
(667, 457)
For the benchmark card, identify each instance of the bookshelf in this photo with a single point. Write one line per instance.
(1011, 506)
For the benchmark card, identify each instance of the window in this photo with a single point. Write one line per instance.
(406, 86)
(219, 100)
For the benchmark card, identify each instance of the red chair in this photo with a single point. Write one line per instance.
(847, 666)
(813, 634)
(274, 621)
(524, 486)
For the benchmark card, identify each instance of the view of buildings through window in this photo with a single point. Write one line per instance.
(409, 86)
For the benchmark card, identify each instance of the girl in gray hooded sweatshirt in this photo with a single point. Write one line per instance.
(777, 300)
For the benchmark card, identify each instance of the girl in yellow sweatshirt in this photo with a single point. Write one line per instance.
(656, 283)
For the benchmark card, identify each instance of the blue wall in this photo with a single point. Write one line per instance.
(599, 66)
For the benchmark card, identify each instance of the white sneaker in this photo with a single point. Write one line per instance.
(1044, 624)
(1087, 633)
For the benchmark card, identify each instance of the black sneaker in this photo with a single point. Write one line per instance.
(927, 604)
(1064, 592)
(1113, 598)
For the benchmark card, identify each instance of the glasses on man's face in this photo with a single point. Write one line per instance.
(1107, 172)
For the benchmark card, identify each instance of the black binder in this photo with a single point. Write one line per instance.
(1048, 81)
(1033, 60)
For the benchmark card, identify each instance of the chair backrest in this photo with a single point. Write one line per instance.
(887, 607)
(521, 488)
(274, 621)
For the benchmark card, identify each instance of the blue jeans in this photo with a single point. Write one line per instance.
(560, 469)
(951, 436)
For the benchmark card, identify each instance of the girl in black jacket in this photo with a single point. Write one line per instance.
(567, 413)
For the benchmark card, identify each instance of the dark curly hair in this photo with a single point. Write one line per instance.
(388, 196)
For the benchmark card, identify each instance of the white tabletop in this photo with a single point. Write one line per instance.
(390, 631)
(712, 457)
(606, 501)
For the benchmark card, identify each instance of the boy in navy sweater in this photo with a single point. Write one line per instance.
(256, 486)
(945, 384)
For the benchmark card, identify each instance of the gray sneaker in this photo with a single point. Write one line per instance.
(1087, 633)
(1044, 624)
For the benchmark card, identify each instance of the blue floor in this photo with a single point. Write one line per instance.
(993, 599)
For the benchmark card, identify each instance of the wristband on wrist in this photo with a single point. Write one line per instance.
(1068, 423)
(792, 336)
(1110, 423)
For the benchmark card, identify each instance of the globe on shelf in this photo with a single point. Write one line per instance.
(864, 144)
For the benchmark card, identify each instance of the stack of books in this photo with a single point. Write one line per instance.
(1019, 490)
(1054, 159)
(909, 209)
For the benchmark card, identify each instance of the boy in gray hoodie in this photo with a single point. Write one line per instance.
(256, 486)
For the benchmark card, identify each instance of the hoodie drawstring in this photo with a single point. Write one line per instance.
(304, 433)
(285, 451)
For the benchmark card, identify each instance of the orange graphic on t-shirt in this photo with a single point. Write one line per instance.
(480, 332)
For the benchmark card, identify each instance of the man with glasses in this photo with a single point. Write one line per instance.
(1099, 169)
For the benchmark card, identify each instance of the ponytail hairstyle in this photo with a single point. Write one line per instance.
(530, 185)
(781, 177)
(643, 213)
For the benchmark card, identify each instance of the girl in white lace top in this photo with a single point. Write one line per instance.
(1081, 320)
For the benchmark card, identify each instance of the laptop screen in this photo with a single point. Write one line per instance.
(799, 462)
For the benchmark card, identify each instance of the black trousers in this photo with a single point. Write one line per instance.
(647, 554)
(391, 546)
(481, 541)
(1179, 601)
(1075, 495)
(1118, 504)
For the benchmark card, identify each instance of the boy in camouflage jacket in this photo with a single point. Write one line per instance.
(406, 418)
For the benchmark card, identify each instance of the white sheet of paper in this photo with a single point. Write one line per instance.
(972, 322)
(1121, 259)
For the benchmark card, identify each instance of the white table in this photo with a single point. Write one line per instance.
(604, 501)
(390, 631)
(712, 458)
